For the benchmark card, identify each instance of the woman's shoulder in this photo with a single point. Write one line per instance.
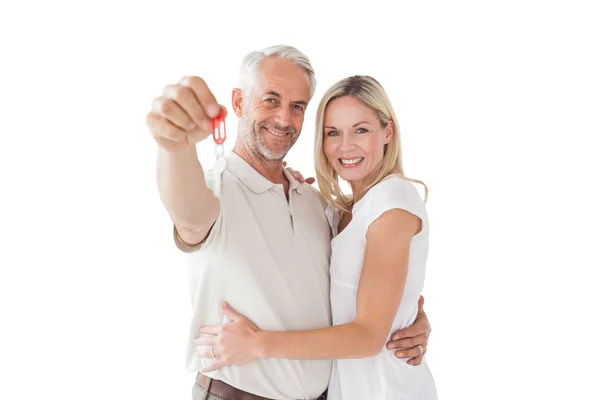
(392, 192)
(393, 186)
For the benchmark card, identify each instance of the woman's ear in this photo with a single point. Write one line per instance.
(389, 131)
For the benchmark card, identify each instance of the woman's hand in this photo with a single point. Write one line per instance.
(298, 176)
(237, 342)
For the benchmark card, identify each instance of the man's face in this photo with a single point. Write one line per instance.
(273, 114)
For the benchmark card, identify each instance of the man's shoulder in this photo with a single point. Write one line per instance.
(312, 194)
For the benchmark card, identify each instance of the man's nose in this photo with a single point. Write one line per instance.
(284, 117)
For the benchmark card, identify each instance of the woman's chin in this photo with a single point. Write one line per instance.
(349, 175)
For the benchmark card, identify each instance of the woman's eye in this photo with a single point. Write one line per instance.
(361, 130)
(332, 133)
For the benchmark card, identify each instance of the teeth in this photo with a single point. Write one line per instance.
(351, 161)
(275, 133)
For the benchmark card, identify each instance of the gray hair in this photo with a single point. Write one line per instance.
(250, 68)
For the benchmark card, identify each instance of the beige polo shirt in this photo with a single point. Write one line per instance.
(269, 259)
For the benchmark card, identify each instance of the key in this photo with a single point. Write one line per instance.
(219, 136)
(218, 169)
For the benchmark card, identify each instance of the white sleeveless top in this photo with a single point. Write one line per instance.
(383, 376)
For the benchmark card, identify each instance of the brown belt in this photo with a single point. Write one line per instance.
(224, 391)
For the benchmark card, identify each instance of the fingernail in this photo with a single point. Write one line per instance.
(213, 110)
(390, 346)
(191, 126)
(400, 355)
(224, 305)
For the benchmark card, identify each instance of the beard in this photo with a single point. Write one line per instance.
(255, 136)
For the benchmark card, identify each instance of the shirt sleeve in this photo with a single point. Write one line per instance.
(392, 193)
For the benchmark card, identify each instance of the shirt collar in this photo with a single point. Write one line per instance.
(251, 178)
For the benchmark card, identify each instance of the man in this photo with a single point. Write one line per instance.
(264, 245)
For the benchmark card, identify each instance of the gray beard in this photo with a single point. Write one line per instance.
(257, 144)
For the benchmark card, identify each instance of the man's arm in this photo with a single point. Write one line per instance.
(179, 119)
(190, 203)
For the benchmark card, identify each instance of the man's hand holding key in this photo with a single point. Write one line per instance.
(182, 116)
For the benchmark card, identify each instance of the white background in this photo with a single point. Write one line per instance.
(498, 105)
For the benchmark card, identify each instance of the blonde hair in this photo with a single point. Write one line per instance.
(367, 90)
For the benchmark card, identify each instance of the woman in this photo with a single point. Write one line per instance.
(379, 252)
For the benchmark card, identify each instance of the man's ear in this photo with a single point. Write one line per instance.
(237, 101)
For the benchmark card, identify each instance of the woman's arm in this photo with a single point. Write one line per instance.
(380, 290)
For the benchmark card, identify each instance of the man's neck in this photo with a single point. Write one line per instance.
(271, 170)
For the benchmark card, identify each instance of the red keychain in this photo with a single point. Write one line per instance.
(217, 122)
(219, 136)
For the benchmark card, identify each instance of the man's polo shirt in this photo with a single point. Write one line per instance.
(269, 259)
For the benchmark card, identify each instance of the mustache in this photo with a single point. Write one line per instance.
(280, 128)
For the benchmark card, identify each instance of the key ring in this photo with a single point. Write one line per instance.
(218, 128)
(219, 133)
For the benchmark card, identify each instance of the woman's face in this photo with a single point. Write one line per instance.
(354, 139)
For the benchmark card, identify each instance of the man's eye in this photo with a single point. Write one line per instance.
(298, 107)
(271, 100)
